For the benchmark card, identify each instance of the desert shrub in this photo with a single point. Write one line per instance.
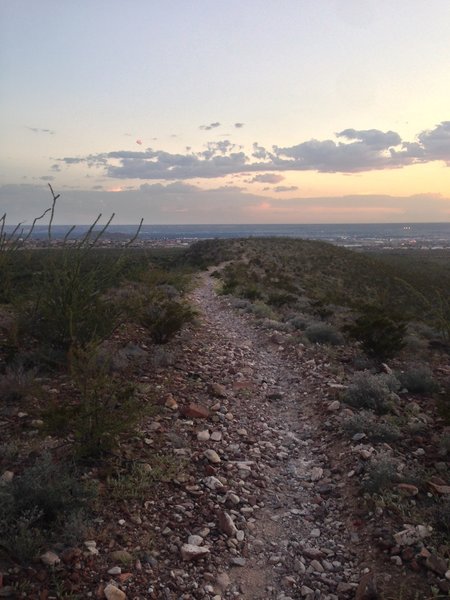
(240, 303)
(444, 443)
(322, 333)
(261, 310)
(444, 403)
(107, 407)
(381, 336)
(275, 325)
(380, 474)
(69, 307)
(35, 503)
(251, 292)
(365, 422)
(299, 322)
(418, 380)
(372, 392)
(442, 516)
(164, 318)
(17, 383)
(138, 479)
(279, 299)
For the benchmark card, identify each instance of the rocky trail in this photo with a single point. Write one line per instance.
(275, 516)
(252, 490)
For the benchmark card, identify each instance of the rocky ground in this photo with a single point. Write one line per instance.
(262, 503)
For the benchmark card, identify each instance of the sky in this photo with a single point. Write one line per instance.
(263, 111)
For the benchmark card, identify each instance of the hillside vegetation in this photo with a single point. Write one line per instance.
(290, 276)
(83, 360)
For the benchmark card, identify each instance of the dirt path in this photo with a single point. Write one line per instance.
(282, 492)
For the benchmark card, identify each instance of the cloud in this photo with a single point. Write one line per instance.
(266, 178)
(285, 188)
(210, 126)
(40, 130)
(55, 167)
(372, 137)
(354, 151)
(239, 125)
(47, 178)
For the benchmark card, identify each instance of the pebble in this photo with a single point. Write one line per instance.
(50, 559)
(195, 540)
(226, 524)
(112, 592)
(213, 483)
(238, 561)
(203, 436)
(212, 456)
(223, 581)
(192, 552)
(7, 477)
(316, 473)
(114, 571)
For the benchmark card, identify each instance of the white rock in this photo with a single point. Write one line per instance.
(316, 473)
(223, 581)
(192, 552)
(7, 477)
(334, 406)
(213, 483)
(114, 571)
(203, 436)
(195, 540)
(50, 559)
(212, 456)
(240, 535)
(113, 593)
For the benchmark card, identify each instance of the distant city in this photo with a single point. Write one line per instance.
(424, 236)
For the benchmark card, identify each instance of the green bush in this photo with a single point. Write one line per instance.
(322, 333)
(365, 422)
(381, 336)
(372, 392)
(418, 380)
(16, 383)
(251, 292)
(35, 503)
(261, 310)
(164, 317)
(107, 406)
(279, 299)
(380, 474)
(69, 307)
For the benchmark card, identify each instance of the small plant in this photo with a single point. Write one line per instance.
(381, 473)
(139, 478)
(164, 317)
(35, 503)
(261, 310)
(365, 422)
(374, 392)
(381, 336)
(418, 380)
(300, 322)
(107, 406)
(251, 292)
(322, 333)
(17, 383)
(279, 299)
(442, 517)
